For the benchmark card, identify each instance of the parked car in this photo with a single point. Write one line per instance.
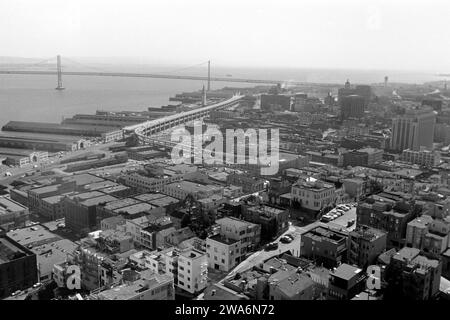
(290, 236)
(271, 246)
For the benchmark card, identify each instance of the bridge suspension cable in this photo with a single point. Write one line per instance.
(32, 65)
(184, 68)
(84, 65)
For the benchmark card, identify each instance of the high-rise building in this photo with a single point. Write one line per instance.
(414, 129)
(352, 106)
(364, 91)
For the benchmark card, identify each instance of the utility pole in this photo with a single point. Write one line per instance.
(209, 75)
(59, 73)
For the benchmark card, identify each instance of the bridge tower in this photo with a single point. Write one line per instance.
(203, 96)
(59, 73)
(209, 75)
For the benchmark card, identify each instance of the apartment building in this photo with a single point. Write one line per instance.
(365, 244)
(313, 194)
(422, 157)
(143, 285)
(229, 247)
(325, 246)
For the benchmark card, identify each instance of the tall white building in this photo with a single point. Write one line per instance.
(192, 270)
(189, 267)
(414, 129)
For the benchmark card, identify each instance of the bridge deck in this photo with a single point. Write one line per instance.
(163, 76)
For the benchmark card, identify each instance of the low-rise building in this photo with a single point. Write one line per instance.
(410, 275)
(249, 184)
(388, 212)
(144, 285)
(365, 245)
(182, 189)
(290, 285)
(81, 214)
(346, 281)
(325, 246)
(223, 253)
(313, 194)
(273, 220)
(424, 158)
(12, 214)
(18, 267)
(192, 270)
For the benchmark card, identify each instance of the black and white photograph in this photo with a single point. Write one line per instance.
(230, 157)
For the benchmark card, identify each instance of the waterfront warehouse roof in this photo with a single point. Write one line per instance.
(47, 127)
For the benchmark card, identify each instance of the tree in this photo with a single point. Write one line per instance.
(185, 220)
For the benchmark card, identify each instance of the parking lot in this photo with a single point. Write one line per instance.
(343, 222)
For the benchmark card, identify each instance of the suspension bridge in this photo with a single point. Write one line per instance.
(59, 72)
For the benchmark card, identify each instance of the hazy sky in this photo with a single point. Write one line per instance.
(341, 34)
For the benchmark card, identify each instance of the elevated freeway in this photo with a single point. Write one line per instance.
(145, 130)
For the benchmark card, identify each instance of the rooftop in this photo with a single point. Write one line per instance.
(97, 200)
(368, 233)
(222, 239)
(320, 233)
(134, 209)
(145, 197)
(33, 236)
(191, 187)
(148, 281)
(120, 203)
(312, 184)
(7, 205)
(83, 179)
(192, 253)
(346, 271)
(163, 201)
(408, 173)
(291, 282)
(10, 251)
(238, 223)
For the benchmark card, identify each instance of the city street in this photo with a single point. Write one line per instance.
(260, 256)
(263, 255)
